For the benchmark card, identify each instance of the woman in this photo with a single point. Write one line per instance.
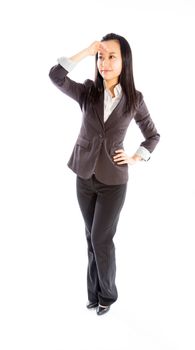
(108, 105)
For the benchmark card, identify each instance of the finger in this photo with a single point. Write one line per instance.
(119, 150)
(103, 47)
(119, 157)
(122, 162)
(94, 47)
(122, 154)
(97, 46)
(122, 159)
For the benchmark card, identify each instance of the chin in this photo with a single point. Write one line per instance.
(108, 76)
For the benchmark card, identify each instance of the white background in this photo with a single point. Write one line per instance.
(43, 254)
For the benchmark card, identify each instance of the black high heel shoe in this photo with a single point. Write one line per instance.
(101, 310)
(92, 305)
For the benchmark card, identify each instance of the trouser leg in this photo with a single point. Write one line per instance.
(87, 199)
(110, 200)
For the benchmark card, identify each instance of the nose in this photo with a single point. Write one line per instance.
(104, 63)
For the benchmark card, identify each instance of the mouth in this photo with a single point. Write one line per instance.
(105, 70)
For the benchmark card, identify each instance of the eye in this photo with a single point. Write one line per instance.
(112, 56)
(100, 57)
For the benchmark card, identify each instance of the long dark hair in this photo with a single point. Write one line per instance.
(126, 79)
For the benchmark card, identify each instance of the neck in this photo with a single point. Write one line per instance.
(110, 85)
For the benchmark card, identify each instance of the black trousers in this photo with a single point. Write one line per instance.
(100, 205)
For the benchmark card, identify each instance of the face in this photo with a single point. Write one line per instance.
(109, 61)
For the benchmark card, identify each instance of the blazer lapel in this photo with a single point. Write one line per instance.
(116, 113)
(99, 109)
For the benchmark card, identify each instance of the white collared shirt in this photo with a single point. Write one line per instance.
(111, 102)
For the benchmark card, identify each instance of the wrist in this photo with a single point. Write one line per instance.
(137, 157)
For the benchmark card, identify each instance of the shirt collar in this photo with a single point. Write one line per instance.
(117, 90)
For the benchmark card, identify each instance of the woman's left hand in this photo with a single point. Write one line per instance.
(122, 158)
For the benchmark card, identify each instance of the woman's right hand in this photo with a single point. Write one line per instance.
(95, 47)
(89, 51)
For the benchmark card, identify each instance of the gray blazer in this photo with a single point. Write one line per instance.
(97, 141)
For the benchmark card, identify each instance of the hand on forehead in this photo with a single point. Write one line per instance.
(109, 46)
(103, 48)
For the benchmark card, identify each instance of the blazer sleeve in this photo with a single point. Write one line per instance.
(143, 120)
(71, 88)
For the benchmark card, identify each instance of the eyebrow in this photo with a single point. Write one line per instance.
(110, 53)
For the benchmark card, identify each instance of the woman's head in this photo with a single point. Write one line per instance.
(122, 63)
(109, 62)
